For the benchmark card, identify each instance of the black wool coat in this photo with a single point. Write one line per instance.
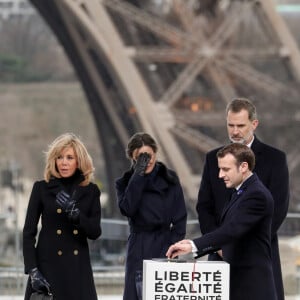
(155, 207)
(272, 169)
(245, 239)
(61, 252)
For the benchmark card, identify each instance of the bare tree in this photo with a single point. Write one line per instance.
(29, 42)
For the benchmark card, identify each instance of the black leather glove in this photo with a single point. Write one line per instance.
(67, 204)
(38, 281)
(141, 163)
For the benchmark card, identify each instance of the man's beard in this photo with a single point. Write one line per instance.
(242, 140)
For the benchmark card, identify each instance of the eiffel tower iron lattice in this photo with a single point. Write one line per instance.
(170, 67)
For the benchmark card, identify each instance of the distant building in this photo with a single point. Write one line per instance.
(15, 8)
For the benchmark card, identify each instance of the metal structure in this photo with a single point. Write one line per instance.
(170, 67)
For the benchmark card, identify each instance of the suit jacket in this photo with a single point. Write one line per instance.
(245, 239)
(271, 168)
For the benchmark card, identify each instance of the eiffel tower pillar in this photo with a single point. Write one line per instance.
(176, 65)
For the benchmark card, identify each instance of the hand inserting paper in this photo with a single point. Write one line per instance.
(179, 248)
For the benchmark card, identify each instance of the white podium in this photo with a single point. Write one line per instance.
(180, 280)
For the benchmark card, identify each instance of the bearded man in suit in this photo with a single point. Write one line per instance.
(271, 168)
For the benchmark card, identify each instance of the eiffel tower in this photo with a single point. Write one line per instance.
(170, 67)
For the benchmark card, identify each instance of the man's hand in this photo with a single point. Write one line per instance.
(67, 204)
(220, 253)
(142, 163)
(38, 282)
(179, 248)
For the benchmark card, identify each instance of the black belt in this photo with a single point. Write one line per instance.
(138, 229)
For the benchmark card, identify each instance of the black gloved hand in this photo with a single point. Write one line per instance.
(67, 204)
(141, 163)
(38, 281)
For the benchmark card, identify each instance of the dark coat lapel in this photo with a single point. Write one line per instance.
(229, 204)
(237, 196)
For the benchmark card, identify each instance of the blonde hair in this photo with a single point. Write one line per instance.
(84, 160)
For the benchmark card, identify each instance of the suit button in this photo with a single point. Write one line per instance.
(59, 252)
(59, 211)
(75, 231)
(75, 252)
(58, 231)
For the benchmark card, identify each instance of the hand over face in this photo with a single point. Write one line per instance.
(179, 248)
(142, 163)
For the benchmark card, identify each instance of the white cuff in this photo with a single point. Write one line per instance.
(194, 248)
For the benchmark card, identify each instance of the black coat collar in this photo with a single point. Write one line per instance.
(55, 184)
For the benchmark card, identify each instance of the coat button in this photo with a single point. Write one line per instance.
(75, 231)
(59, 252)
(58, 231)
(59, 211)
(75, 252)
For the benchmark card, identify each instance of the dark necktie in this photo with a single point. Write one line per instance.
(229, 201)
(233, 195)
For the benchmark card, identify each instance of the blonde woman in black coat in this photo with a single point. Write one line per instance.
(68, 205)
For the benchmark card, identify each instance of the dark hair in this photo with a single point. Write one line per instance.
(237, 104)
(242, 153)
(139, 140)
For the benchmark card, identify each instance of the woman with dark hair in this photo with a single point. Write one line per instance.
(68, 205)
(151, 197)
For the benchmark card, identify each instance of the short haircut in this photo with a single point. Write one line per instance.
(238, 104)
(241, 153)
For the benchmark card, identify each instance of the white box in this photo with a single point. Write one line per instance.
(181, 280)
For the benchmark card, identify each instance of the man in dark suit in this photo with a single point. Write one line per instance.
(245, 231)
(271, 168)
